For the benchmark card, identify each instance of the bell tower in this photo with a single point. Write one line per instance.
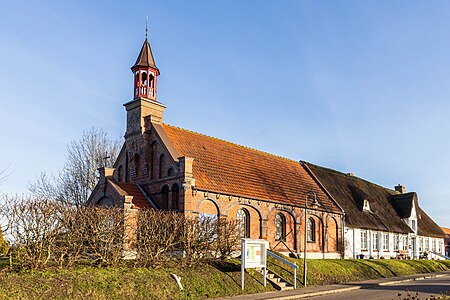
(145, 72)
(144, 103)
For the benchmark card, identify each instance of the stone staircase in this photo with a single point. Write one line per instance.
(277, 281)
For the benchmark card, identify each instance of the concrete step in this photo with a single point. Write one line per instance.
(279, 282)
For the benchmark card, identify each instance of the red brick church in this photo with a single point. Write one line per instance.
(169, 168)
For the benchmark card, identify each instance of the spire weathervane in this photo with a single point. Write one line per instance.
(146, 27)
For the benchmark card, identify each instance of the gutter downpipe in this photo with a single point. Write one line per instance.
(343, 236)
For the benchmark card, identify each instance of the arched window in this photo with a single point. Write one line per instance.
(311, 230)
(137, 165)
(175, 197)
(280, 227)
(165, 197)
(153, 161)
(151, 80)
(144, 78)
(120, 173)
(162, 165)
(105, 202)
(243, 223)
(170, 172)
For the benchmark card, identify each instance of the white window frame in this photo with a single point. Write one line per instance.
(375, 241)
(385, 241)
(420, 244)
(396, 242)
(364, 240)
(405, 242)
(427, 245)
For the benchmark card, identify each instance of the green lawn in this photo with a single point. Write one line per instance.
(200, 282)
(331, 271)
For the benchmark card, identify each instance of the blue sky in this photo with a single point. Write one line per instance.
(358, 86)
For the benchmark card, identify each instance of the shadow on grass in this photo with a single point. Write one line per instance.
(229, 269)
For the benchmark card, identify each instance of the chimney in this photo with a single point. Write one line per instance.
(400, 188)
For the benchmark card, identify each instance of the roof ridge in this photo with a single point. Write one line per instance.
(393, 192)
(232, 143)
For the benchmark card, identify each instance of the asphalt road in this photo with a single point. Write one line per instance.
(424, 288)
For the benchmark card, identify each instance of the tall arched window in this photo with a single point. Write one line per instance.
(120, 173)
(151, 80)
(144, 78)
(280, 227)
(175, 197)
(137, 165)
(243, 223)
(165, 197)
(153, 161)
(311, 230)
(162, 165)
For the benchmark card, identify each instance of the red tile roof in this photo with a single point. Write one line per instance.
(446, 231)
(131, 189)
(228, 168)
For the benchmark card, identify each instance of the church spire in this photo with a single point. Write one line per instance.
(145, 71)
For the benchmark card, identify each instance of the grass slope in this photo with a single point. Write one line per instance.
(200, 282)
(332, 271)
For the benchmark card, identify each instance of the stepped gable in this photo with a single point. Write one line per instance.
(227, 168)
(349, 191)
(427, 227)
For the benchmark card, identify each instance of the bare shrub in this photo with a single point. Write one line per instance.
(70, 243)
(102, 233)
(158, 236)
(227, 238)
(199, 235)
(45, 231)
(34, 225)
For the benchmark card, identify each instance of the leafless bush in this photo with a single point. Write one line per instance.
(199, 237)
(102, 234)
(158, 235)
(227, 238)
(34, 225)
(45, 231)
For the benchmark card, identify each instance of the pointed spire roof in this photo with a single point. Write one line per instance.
(145, 57)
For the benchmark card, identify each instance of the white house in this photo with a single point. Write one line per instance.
(380, 222)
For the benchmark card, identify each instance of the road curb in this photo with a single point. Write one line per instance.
(411, 279)
(321, 293)
(339, 289)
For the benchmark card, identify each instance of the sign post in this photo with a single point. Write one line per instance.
(253, 255)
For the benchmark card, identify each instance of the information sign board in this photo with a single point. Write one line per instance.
(253, 255)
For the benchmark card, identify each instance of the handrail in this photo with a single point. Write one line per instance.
(439, 254)
(290, 264)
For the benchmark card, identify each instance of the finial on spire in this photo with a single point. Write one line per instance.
(146, 27)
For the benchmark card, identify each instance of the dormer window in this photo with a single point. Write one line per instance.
(366, 205)
(413, 225)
